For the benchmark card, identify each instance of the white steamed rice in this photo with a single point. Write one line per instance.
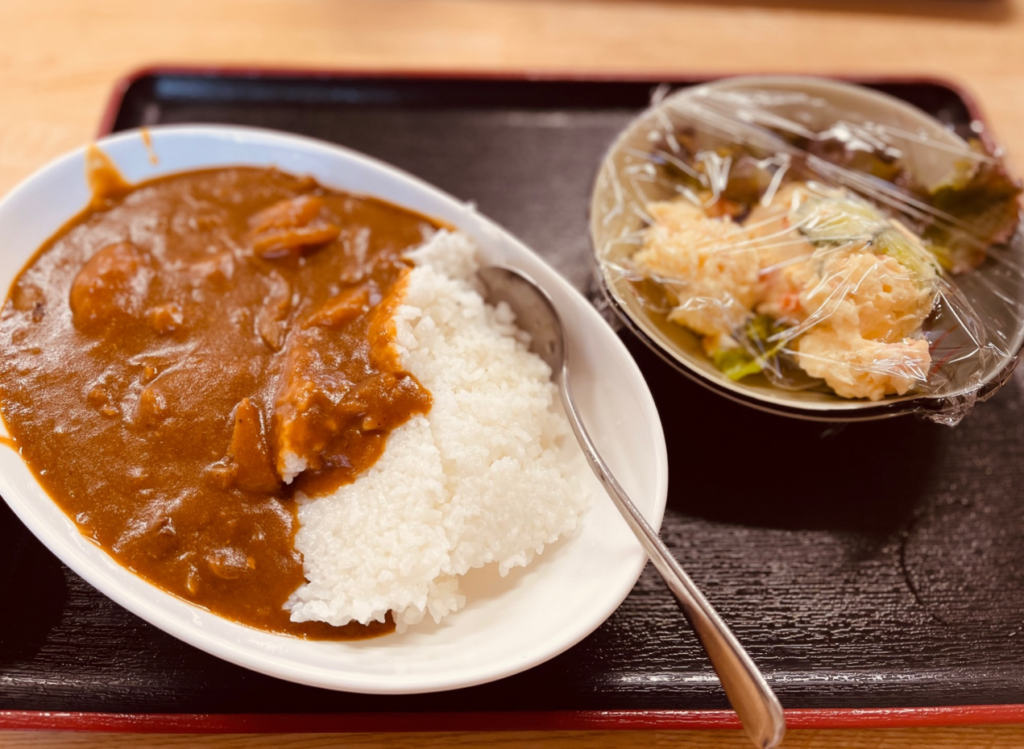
(480, 479)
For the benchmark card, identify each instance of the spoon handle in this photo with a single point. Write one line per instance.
(753, 700)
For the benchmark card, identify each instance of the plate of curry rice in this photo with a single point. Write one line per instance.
(252, 394)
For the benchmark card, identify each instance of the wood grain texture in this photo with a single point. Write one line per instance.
(58, 61)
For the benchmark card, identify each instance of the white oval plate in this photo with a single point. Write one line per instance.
(508, 625)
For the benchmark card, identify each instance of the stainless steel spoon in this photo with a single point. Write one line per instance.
(757, 707)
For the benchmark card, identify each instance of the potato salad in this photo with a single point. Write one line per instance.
(812, 277)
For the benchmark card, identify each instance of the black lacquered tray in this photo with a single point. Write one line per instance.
(876, 565)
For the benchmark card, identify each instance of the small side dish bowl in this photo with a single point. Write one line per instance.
(511, 623)
(928, 150)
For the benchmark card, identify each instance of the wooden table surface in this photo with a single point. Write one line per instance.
(60, 58)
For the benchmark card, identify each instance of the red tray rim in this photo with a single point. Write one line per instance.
(576, 720)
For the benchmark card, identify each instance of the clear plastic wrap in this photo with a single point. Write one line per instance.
(816, 247)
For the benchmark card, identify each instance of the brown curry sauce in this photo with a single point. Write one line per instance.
(165, 351)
